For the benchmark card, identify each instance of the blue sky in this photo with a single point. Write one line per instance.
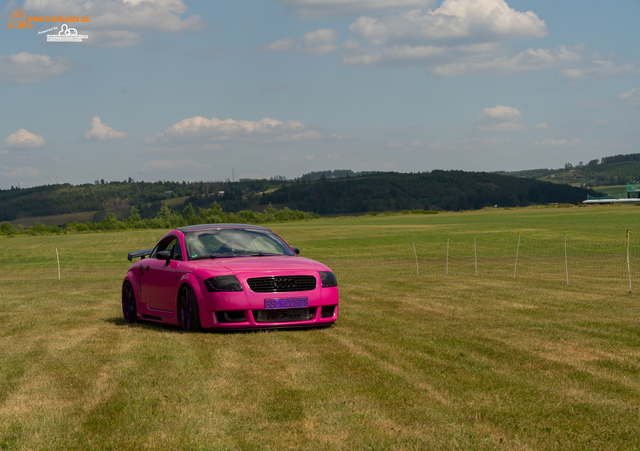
(188, 90)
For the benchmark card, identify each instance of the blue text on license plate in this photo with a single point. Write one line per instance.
(270, 304)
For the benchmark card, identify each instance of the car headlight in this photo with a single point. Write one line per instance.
(328, 279)
(223, 283)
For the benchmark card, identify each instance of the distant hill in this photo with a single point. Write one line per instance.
(614, 170)
(119, 197)
(440, 190)
(358, 193)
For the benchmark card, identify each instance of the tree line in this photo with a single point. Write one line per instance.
(165, 219)
(355, 193)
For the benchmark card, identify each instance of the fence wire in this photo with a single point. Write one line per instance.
(563, 259)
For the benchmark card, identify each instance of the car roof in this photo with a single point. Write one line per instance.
(203, 227)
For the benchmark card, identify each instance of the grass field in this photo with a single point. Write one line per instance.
(54, 219)
(414, 362)
(613, 190)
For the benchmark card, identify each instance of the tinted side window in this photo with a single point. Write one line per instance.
(177, 251)
(165, 245)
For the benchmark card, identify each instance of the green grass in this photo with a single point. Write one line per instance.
(54, 219)
(176, 201)
(414, 362)
(613, 190)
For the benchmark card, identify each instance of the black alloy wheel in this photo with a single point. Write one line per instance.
(188, 310)
(129, 310)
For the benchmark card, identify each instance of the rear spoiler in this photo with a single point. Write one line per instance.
(139, 254)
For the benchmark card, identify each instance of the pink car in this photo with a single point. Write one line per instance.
(228, 276)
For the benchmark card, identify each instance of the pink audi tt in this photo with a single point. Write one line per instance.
(228, 276)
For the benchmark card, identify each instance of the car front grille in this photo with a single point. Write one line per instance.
(279, 284)
(284, 316)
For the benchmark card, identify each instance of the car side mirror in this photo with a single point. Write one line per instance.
(296, 250)
(163, 255)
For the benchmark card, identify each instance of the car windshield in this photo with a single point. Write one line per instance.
(234, 243)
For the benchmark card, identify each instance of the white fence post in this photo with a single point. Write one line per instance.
(628, 265)
(566, 266)
(58, 259)
(446, 272)
(416, 254)
(475, 254)
(517, 252)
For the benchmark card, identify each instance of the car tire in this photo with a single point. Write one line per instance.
(188, 313)
(129, 307)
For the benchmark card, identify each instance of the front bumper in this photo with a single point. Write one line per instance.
(239, 310)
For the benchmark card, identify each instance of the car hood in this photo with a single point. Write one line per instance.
(260, 266)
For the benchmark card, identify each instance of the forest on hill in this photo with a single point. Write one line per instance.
(357, 193)
(119, 197)
(437, 190)
(613, 170)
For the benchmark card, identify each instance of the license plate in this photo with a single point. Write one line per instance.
(282, 316)
(286, 303)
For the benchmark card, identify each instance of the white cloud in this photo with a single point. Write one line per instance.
(455, 20)
(595, 66)
(341, 137)
(500, 118)
(502, 127)
(557, 142)
(350, 44)
(166, 165)
(279, 46)
(102, 132)
(199, 129)
(467, 144)
(15, 173)
(416, 144)
(307, 135)
(542, 126)
(393, 145)
(319, 42)
(306, 159)
(468, 36)
(448, 61)
(631, 98)
(24, 68)
(23, 139)
(628, 98)
(500, 112)
(335, 8)
(121, 22)
(629, 94)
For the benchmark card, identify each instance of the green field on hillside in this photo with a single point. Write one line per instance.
(614, 190)
(419, 359)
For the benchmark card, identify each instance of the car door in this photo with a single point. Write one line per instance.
(161, 278)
